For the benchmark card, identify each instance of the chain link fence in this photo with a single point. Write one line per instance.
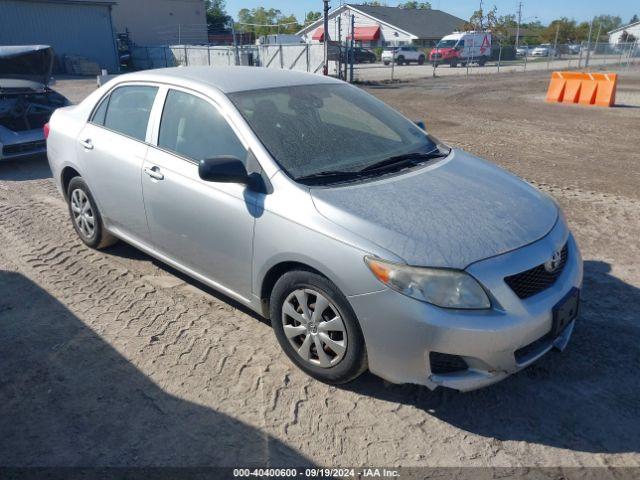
(348, 63)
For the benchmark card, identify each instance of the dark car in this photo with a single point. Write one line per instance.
(362, 55)
(26, 101)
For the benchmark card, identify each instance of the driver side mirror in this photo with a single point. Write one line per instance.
(223, 169)
(421, 124)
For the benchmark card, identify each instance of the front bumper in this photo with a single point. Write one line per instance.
(15, 145)
(401, 332)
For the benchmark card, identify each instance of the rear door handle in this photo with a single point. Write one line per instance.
(154, 172)
(87, 144)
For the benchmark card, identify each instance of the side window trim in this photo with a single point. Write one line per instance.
(107, 97)
(161, 100)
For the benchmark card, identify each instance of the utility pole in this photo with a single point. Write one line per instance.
(351, 52)
(340, 46)
(325, 69)
(519, 21)
(481, 19)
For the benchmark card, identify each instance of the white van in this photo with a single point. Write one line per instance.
(461, 48)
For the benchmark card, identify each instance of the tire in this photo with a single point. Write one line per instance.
(400, 60)
(386, 63)
(83, 210)
(332, 366)
(421, 60)
(483, 61)
(454, 63)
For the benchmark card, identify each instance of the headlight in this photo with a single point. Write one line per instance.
(442, 287)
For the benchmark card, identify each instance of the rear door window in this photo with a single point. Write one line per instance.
(127, 110)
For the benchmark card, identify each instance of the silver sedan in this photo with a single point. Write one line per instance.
(367, 242)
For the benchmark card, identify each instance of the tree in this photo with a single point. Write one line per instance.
(374, 3)
(627, 37)
(604, 24)
(483, 21)
(312, 17)
(565, 28)
(217, 18)
(261, 21)
(634, 19)
(415, 5)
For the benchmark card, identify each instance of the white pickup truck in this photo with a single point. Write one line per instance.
(403, 54)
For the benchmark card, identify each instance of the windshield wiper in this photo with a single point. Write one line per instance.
(413, 158)
(337, 175)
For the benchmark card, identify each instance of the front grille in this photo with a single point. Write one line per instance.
(25, 147)
(533, 281)
(444, 363)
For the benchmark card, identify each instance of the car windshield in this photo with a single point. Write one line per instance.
(447, 43)
(311, 129)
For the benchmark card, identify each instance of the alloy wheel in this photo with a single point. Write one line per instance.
(314, 328)
(83, 215)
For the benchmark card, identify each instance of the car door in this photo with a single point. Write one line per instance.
(204, 226)
(112, 147)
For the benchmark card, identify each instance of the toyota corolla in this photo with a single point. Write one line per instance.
(368, 243)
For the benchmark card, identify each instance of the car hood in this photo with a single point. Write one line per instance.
(450, 214)
(25, 66)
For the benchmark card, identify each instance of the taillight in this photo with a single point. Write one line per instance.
(45, 129)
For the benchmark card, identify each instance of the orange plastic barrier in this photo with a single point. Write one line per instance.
(583, 88)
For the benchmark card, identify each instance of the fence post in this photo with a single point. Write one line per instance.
(281, 59)
(164, 51)
(308, 67)
(499, 57)
(555, 47)
(186, 56)
(209, 55)
(586, 61)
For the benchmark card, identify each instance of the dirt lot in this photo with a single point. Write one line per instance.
(111, 358)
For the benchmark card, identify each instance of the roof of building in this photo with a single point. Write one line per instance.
(625, 27)
(230, 79)
(422, 23)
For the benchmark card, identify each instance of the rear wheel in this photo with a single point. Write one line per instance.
(85, 215)
(421, 60)
(454, 63)
(400, 60)
(482, 62)
(317, 328)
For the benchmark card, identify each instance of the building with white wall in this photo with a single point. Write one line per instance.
(616, 36)
(384, 26)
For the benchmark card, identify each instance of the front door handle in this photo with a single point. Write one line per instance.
(154, 172)
(87, 144)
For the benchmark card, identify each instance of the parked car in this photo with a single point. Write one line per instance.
(404, 54)
(367, 242)
(574, 49)
(523, 51)
(26, 101)
(462, 48)
(361, 55)
(544, 50)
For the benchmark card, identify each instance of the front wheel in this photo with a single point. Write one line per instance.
(85, 215)
(454, 63)
(482, 62)
(316, 327)
(400, 60)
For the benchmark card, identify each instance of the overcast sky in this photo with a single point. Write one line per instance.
(545, 10)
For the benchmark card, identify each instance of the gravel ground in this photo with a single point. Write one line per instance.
(112, 358)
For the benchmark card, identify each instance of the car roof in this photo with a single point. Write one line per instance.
(230, 79)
